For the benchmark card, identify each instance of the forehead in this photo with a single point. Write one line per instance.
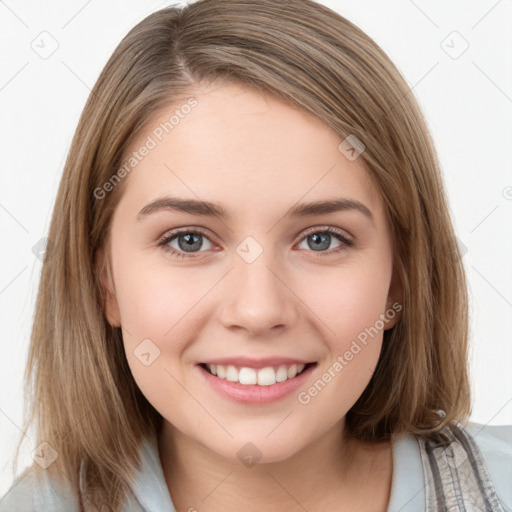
(245, 149)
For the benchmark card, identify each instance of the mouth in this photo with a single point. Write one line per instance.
(247, 376)
(255, 386)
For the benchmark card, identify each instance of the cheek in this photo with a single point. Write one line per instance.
(160, 314)
(352, 334)
(154, 300)
(349, 303)
(153, 315)
(346, 300)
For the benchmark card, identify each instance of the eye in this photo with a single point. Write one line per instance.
(188, 242)
(319, 239)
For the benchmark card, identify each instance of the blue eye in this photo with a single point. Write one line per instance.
(321, 239)
(190, 241)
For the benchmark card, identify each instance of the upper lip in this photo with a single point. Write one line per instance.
(256, 363)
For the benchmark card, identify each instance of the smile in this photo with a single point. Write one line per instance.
(267, 376)
(255, 386)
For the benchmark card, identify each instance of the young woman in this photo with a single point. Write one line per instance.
(252, 298)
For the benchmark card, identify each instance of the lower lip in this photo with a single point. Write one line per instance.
(254, 394)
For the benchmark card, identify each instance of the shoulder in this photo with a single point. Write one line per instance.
(34, 491)
(495, 445)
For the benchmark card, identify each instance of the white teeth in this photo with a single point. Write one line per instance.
(249, 376)
(282, 374)
(221, 371)
(232, 374)
(292, 371)
(266, 376)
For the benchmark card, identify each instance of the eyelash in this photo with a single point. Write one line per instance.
(345, 242)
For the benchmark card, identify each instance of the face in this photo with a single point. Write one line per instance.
(265, 290)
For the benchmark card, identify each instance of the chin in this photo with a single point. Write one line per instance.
(256, 450)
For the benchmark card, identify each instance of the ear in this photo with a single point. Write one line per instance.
(394, 302)
(108, 294)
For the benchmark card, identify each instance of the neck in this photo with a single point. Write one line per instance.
(331, 471)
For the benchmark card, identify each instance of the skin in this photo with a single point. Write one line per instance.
(257, 156)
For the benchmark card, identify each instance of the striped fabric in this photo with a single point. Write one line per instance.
(456, 478)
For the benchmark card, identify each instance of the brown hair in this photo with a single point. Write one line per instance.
(84, 400)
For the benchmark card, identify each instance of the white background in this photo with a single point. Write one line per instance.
(467, 102)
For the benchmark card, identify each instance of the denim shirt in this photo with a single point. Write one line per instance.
(459, 469)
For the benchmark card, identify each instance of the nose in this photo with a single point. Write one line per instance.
(258, 299)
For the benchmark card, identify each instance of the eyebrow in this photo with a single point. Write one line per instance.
(207, 208)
